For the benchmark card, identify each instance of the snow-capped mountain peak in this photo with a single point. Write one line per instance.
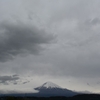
(51, 89)
(48, 85)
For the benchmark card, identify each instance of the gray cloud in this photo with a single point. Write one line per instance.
(18, 38)
(6, 79)
(25, 82)
(12, 79)
(94, 21)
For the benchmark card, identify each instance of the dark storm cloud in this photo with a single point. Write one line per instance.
(6, 79)
(18, 38)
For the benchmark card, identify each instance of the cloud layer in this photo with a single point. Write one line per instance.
(27, 28)
(19, 38)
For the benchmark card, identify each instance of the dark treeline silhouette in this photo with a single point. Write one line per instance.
(77, 97)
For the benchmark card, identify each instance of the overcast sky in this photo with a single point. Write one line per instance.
(50, 40)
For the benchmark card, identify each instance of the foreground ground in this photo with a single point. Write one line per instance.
(77, 97)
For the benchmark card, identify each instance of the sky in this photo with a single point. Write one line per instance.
(50, 40)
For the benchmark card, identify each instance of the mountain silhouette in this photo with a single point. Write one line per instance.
(51, 89)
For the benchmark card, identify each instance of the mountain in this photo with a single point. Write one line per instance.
(51, 89)
(48, 89)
